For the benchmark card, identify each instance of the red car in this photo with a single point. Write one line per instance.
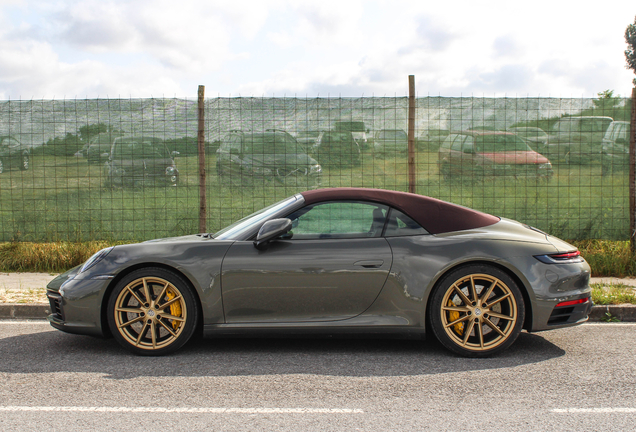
(470, 154)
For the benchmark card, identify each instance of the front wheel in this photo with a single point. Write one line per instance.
(477, 311)
(152, 311)
(25, 162)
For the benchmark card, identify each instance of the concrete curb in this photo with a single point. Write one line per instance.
(624, 313)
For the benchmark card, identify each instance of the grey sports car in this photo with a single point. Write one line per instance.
(329, 261)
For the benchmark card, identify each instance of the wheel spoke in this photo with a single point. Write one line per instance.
(494, 327)
(473, 290)
(461, 295)
(172, 317)
(500, 316)
(168, 303)
(489, 291)
(153, 334)
(480, 330)
(163, 292)
(132, 321)
(134, 295)
(129, 310)
(168, 328)
(455, 309)
(458, 320)
(490, 304)
(146, 291)
(470, 326)
(141, 334)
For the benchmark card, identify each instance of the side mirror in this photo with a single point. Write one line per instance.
(270, 230)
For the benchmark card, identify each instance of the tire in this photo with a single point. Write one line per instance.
(472, 322)
(152, 312)
(25, 162)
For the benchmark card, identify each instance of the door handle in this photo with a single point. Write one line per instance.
(369, 263)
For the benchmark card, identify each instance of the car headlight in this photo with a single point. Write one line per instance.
(96, 258)
(546, 166)
(315, 169)
(171, 170)
(261, 171)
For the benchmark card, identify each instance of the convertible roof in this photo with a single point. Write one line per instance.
(435, 215)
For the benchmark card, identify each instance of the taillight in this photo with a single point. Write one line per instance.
(573, 302)
(561, 258)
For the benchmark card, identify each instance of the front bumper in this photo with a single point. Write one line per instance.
(76, 304)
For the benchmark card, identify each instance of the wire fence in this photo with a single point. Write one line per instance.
(127, 169)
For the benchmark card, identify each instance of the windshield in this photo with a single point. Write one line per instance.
(272, 143)
(393, 134)
(237, 229)
(140, 149)
(499, 143)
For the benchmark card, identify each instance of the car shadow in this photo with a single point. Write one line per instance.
(52, 351)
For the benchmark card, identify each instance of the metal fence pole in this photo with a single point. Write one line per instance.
(411, 137)
(201, 152)
(632, 175)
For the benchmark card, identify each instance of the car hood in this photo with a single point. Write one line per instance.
(149, 165)
(516, 157)
(279, 160)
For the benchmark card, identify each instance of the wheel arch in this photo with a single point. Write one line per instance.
(527, 324)
(113, 283)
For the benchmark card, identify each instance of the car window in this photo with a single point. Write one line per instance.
(338, 219)
(401, 225)
(457, 142)
(499, 143)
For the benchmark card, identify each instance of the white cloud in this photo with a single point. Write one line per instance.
(144, 47)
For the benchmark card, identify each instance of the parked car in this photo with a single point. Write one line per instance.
(390, 141)
(477, 154)
(577, 140)
(99, 147)
(273, 154)
(308, 139)
(536, 137)
(13, 154)
(140, 161)
(337, 149)
(333, 261)
(358, 131)
(432, 139)
(615, 147)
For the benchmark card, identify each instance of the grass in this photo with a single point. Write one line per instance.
(63, 199)
(613, 294)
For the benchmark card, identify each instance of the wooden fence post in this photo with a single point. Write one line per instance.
(632, 175)
(201, 151)
(411, 142)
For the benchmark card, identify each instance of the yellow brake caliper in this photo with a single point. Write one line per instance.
(175, 308)
(452, 316)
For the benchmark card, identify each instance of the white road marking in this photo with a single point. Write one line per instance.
(23, 322)
(594, 410)
(182, 410)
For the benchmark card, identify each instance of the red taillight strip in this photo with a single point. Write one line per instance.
(573, 302)
(567, 255)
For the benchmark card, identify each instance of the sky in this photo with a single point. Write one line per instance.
(55, 49)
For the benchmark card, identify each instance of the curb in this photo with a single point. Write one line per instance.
(24, 311)
(624, 313)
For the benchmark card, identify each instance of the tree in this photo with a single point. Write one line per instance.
(606, 100)
(630, 52)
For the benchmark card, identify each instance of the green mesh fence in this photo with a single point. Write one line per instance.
(127, 169)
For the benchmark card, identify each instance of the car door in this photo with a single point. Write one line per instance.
(332, 268)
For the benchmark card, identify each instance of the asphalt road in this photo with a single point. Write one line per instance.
(581, 378)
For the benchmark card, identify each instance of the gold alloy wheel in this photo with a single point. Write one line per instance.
(479, 312)
(150, 313)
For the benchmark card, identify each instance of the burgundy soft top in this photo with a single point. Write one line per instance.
(434, 215)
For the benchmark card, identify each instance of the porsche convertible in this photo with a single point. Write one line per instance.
(327, 261)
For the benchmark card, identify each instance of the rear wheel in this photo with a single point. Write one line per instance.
(152, 311)
(477, 311)
(25, 162)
